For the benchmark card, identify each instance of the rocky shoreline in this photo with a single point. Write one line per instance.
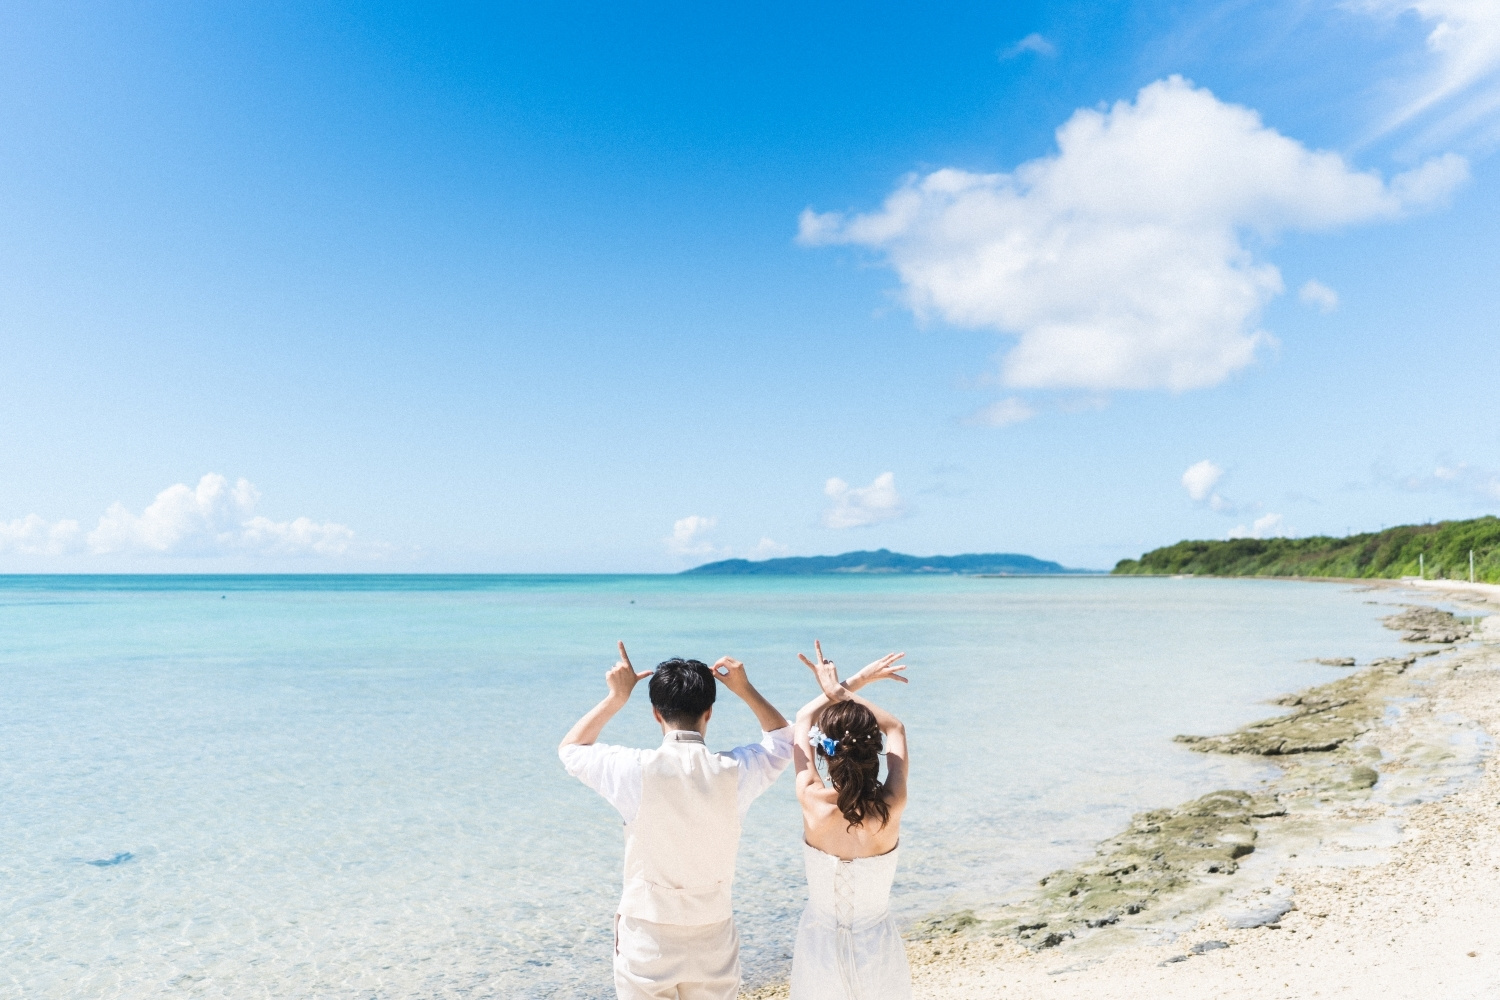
(1166, 851)
(1171, 867)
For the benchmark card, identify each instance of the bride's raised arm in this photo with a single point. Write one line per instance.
(885, 668)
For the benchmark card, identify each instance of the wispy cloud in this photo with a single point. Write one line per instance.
(857, 507)
(1319, 296)
(1462, 478)
(690, 536)
(1033, 43)
(769, 549)
(1001, 413)
(212, 519)
(1121, 262)
(1461, 90)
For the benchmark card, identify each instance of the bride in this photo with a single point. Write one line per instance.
(848, 945)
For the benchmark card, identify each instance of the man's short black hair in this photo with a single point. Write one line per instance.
(682, 690)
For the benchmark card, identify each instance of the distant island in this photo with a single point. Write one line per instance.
(1436, 551)
(887, 562)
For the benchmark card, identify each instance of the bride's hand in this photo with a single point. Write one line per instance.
(826, 673)
(884, 669)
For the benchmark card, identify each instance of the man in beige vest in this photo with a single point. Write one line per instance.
(675, 937)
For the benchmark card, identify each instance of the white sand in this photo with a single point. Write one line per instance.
(1421, 921)
(1489, 591)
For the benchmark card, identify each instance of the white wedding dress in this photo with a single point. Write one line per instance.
(848, 945)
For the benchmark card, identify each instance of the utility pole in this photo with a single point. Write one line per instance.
(1471, 565)
(1421, 566)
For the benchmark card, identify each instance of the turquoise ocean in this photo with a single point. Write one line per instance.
(348, 787)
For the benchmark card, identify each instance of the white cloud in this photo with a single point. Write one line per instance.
(213, 519)
(32, 536)
(768, 549)
(1121, 262)
(1002, 413)
(300, 536)
(856, 507)
(688, 536)
(1200, 479)
(1463, 86)
(1320, 296)
(1269, 526)
(1033, 42)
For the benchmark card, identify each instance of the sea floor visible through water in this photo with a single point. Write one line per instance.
(348, 786)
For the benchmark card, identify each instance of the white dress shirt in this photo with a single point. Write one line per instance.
(615, 772)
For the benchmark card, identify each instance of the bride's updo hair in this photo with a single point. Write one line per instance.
(854, 768)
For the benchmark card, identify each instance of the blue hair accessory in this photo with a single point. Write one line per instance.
(826, 743)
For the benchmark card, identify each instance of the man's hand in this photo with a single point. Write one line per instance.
(827, 674)
(731, 673)
(883, 669)
(622, 677)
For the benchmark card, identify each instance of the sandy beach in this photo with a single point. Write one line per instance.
(1369, 868)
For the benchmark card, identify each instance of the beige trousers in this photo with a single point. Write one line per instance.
(674, 962)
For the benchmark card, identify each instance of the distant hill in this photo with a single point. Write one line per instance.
(1391, 554)
(884, 561)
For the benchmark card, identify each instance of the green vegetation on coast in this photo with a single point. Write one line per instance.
(1441, 550)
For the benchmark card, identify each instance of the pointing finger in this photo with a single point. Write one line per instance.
(804, 659)
(624, 655)
(818, 645)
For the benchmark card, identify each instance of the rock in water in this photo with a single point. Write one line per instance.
(118, 859)
(1162, 850)
(1423, 624)
(1323, 718)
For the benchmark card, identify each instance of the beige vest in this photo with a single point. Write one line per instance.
(680, 850)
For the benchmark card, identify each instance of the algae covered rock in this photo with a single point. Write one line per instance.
(1424, 624)
(1323, 718)
(1161, 851)
(1172, 854)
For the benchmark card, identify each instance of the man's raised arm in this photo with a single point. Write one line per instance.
(731, 673)
(621, 678)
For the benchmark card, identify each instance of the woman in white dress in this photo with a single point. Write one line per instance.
(848, 944)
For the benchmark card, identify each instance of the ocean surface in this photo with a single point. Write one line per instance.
(348, 787)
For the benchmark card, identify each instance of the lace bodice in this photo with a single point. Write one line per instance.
(848, 944)
(849, 893)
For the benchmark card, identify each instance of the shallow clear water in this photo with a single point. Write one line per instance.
(348, 787)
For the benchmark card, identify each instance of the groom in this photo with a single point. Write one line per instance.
(674, 933)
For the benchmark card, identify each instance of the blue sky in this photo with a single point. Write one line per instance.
(626, 288)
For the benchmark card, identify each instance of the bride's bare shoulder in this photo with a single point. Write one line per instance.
(820, 794)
